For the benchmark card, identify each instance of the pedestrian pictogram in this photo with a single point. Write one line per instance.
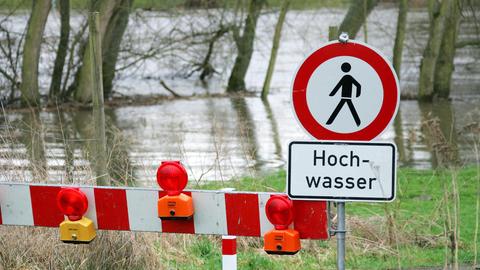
(345, 91)
(346, 84)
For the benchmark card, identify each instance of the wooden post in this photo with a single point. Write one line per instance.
(100, 149)
(332, 33)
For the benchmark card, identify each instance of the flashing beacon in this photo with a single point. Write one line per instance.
(172, 178)
(76, 228)
(281, 240)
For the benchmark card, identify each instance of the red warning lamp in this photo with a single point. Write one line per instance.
(172, 177)
(281, 240)
(76, 228)
(72, 203)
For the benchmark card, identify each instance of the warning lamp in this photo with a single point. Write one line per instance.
(172, 178)
(76, 228)
(281, 240)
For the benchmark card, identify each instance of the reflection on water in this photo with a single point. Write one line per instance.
(217, 138)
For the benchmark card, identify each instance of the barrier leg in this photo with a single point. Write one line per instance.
(229, 252)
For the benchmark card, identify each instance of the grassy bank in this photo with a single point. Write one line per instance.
(413, 236)
(408, 233)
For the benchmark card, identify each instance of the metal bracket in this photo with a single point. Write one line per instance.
(343, 38)
(334, 232)
(331, 230)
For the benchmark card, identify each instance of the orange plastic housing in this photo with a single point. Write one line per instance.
(282, 242)
(175, 207)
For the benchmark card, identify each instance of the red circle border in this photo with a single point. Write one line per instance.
(354, 49)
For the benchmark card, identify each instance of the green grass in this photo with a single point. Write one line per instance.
(419, 215)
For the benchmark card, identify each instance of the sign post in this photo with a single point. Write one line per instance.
(344, 94)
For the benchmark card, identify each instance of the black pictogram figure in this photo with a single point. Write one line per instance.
(346, 83)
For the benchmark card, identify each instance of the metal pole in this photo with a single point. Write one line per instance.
(341, 236)
(340, 231)
(229, 252)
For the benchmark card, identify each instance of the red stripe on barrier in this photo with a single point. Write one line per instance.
(178, 226)
(112, 210)
(310, 219)
(229, 246)
(243, 217)
(44, 206)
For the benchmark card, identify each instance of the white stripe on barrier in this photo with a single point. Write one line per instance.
(16, 205)
(92, 209)
(265, 225)
(142, 210)
(210, 213)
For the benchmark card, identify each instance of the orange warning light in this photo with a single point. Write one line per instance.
(172, 177)
(76, 228)
(281, 240)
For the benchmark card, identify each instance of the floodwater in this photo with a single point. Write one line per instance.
(218, 138)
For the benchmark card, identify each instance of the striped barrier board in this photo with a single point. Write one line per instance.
(135, 209)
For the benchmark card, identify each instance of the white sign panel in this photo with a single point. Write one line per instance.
(341, 171)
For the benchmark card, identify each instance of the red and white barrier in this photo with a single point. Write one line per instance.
(135, 209)
(229, 252)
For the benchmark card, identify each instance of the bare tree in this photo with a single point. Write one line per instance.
(444, 66)
(244, 44)
(400, 36)
(81, 85)
(437, 11)
(56, 83)
(11, 49)
(356, 15)
(275, 45)
(111, 42)
(31, 52)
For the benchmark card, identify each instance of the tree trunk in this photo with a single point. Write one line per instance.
(31, 52)
(430, 54)
(356, 15)
(83, 92)
(400, 36)
(111, 43)
(444, 66)
(275, 45)
(56, 83)
(95, 45)
(244, 43)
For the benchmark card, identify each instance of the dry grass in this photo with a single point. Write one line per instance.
(39, 248)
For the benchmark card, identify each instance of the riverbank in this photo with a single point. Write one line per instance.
(411, 232)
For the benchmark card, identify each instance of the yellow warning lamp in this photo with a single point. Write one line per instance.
(172, 178)
(281, 240)
(76, 228)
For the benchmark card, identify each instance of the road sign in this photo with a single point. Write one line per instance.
(341, 171)
(345, 91)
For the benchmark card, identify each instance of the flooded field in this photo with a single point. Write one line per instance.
(218, 138)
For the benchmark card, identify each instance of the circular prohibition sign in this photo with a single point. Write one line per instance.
(380, 106)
